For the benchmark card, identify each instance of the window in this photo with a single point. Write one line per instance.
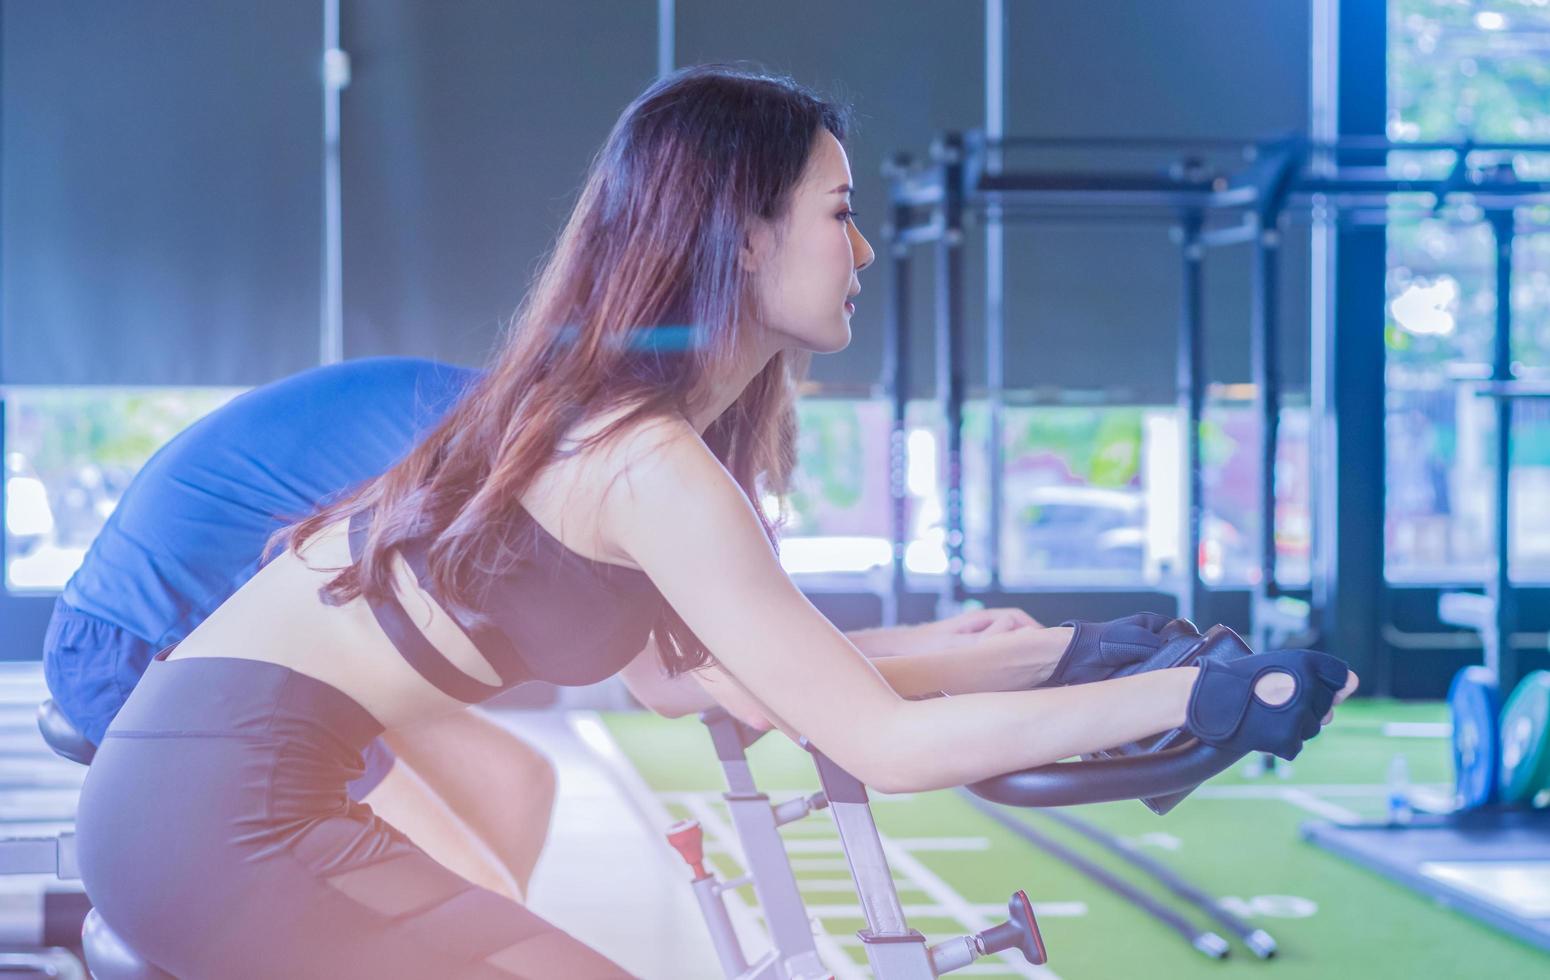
(69, 455)
(1091, 494)
(1461, 71)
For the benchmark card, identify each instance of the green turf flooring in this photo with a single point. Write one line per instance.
(1236, 839)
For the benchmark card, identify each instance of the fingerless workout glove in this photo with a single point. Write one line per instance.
(1225, 712)
(1098, 651)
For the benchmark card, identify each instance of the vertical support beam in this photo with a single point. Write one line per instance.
(1350, 96)
(667, 36)
(948, 156)
(995, 281)
(1323, 127)
(1500, 587)
(5, 530)
(1189, 392)
(896, 384)
(1265, 355)
(336, 76)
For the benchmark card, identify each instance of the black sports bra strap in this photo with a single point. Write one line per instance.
(498, 651)
(429, 662)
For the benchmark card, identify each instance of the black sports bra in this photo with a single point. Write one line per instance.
(555, 616)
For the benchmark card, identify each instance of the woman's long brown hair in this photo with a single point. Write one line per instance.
(639, 303)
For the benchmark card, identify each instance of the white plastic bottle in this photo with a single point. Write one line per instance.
(1400, 811)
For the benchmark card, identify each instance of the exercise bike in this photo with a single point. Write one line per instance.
(1159, 771)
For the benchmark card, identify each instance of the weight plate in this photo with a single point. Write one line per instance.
(1472, 701)
(1525, 738)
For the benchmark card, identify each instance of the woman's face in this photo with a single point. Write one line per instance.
(805, 265)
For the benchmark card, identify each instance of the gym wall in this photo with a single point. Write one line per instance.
(160, 192)
(161, 170)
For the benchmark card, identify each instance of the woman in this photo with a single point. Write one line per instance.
(190, 529)
(592, 499)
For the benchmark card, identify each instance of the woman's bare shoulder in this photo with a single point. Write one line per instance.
(666, 453)
(583, 498)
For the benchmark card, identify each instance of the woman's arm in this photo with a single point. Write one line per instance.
(960, 740)
(951, 663)
(681, 518)
(891, 641)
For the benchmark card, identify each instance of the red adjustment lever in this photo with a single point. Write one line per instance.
(1020, 932)
(689, 841)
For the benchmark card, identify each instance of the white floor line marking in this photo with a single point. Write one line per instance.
(1271, 789)
(801, 829)
(991, 911)
(820, 864)
(833, 846)
(1417, 729)
(1323, 808)
(816, 846)
(942, 843)
(846, 886)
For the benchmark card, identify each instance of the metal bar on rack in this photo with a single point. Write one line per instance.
(1190, 394)
(1500, 587)
(896, 380)
(949, 153)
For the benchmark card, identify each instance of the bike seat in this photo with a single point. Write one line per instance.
(110, 958)
(62, 736)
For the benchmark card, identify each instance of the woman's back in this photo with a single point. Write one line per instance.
(278, 616)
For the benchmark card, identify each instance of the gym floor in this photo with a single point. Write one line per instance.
(1235, 838)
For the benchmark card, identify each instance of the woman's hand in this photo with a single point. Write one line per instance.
(1276, 688)
(986, 621)
(1267, 702)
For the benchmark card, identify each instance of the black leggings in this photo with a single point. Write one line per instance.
(216, 838)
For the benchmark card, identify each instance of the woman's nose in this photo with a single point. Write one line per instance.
(862, 248)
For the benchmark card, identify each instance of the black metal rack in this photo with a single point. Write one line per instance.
(1213, 193)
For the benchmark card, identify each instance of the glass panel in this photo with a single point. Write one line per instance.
(837, 510)
(1441, 454)
(1230, 526)
(69, 455)
(1091, 494)
(838, 507)
(1074, 506)
(1482, 72)
(1461, 69)
(1441, 487)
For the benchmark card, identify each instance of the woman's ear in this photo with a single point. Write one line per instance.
(757, 244)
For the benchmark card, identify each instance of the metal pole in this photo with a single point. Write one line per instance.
(667, 33)
(948, 153)
(896, 382)
(336, 76)
(1354, 591)
(1323, 128)
(1266, 368)
(995, 282)
(1190, 395)
(1500, 587)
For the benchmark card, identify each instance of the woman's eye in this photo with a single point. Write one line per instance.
(848, 215)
